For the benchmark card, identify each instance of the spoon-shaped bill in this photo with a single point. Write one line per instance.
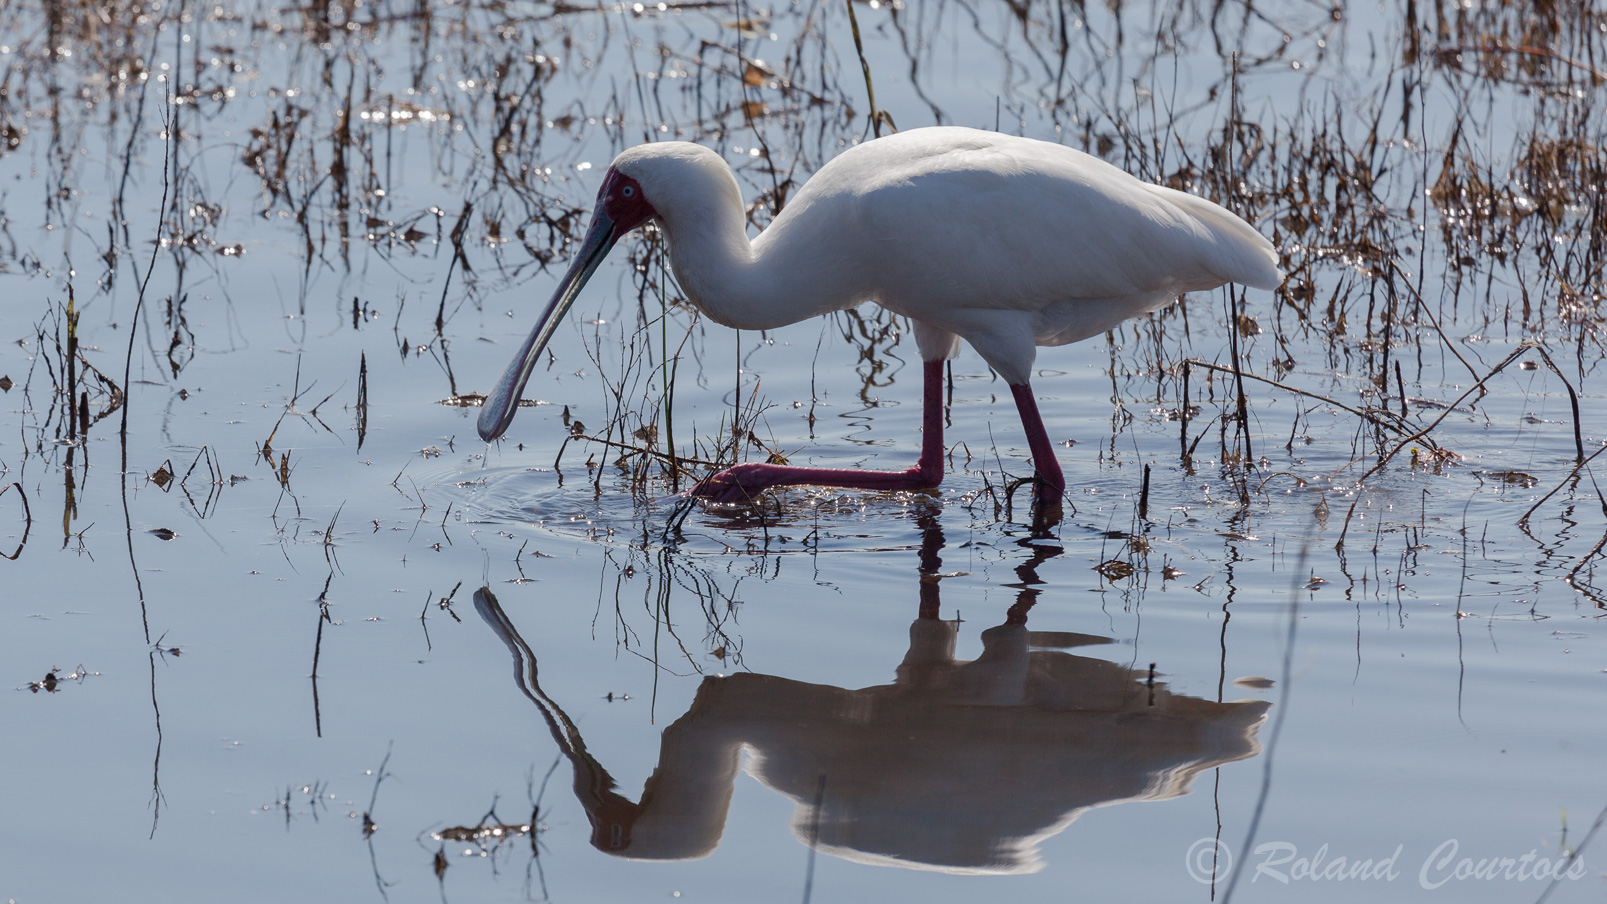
(503, 402)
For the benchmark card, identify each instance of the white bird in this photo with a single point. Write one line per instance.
(1009, 243)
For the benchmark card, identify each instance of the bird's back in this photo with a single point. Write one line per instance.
(934, 222)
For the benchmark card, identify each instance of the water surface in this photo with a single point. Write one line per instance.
(301, 630)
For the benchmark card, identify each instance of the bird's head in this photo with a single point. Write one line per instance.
(622, 203)
(622, 206)
(643, 184)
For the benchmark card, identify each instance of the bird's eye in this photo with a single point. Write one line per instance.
(628, 191)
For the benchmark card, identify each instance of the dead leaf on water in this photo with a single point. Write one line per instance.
(756, 26)
(756, 74)
(52, 681)
(1114, 570)
(1513, 478)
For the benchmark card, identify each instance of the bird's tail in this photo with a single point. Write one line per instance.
(1239, 254)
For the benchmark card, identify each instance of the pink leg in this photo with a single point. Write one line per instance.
(1051, 483)
(746, 481)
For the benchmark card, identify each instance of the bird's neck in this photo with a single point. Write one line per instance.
(767, 283)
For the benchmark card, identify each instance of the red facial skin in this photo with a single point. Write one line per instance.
(622, 199)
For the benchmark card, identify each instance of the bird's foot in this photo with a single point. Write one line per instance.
(742, 483)
(1046, 511)
(739, 483)
(1047, 487)
(1046, 496)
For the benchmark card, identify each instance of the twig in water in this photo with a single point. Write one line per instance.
(1523, 522)
(1573, 857)
(1143, 497)
(814, 823)
(1433, 321)
(369, 826)
(1285, 680)
(1368, 416)
(877, 117)
(27, 516)
(362, 400)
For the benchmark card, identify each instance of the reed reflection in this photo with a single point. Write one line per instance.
(956, 766)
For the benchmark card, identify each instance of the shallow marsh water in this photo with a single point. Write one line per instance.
(303, 634)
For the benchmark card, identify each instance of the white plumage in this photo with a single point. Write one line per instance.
(1008, 243)
(993, 238)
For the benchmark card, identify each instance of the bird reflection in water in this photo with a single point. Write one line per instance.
(961, 767)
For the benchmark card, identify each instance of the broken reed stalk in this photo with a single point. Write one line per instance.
(1183, 416)
(459, 230)
(1523, 522)
(1143, 497)
(1573, 397)
(1587, 558)
(634, 450)
(27, 518)
(1423, 433)
(72, 365)
(1400, 384)
(362, 399)
(666, 377)
(1234, 301)
(1478, 386)
(1370, 417)
(168, 150)
(1381, 379)
(1433, 321)
(317, 650)
(870, 90)
(675, 459)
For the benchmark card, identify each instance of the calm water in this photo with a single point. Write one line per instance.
(304, 634)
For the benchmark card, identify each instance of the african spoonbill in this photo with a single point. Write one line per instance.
(1009, 243)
